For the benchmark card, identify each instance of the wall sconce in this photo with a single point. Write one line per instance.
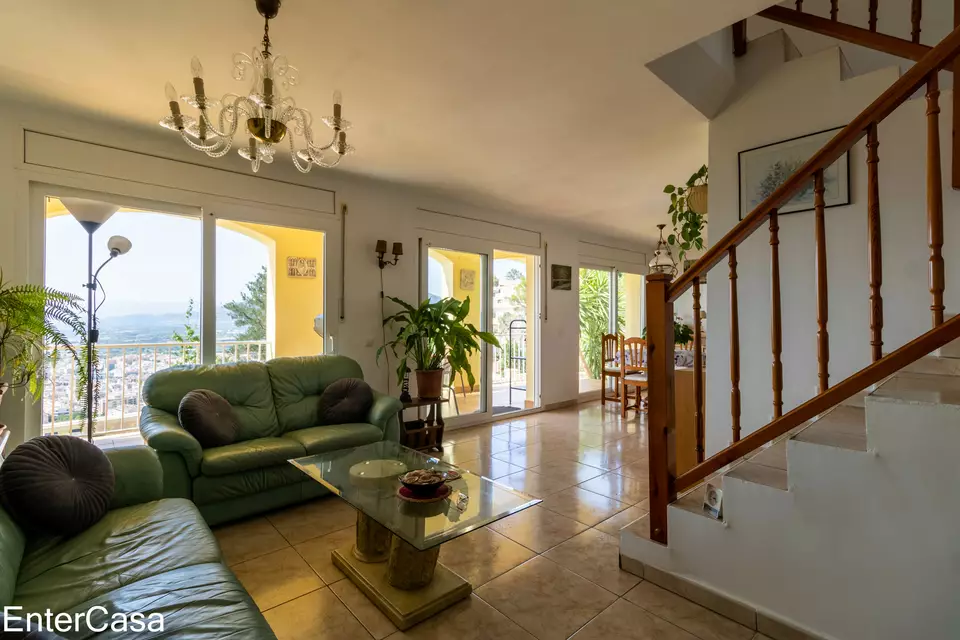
(382, 250)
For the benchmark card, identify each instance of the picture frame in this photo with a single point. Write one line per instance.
(762, 169)
(299, 267)
(561, 277)
(467, 279)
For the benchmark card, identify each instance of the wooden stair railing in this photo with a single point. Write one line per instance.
(661, 295)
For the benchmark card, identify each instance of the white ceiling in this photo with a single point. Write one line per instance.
(538, 106)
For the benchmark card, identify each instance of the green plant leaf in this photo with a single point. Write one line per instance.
(669, 188)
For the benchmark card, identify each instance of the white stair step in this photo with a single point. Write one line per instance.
(760, 474)
(845, 427)
(921, 388)
(943, 366)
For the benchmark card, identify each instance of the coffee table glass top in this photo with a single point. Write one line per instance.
(368, 478)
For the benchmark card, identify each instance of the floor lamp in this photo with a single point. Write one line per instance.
(91, 214)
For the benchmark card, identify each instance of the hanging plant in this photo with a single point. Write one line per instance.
(687, 224)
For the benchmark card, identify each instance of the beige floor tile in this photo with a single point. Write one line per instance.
(566, 472)
(482, 555)
(625, 621)
(316, 552)
(248, 539)
(701, 622)
(531, 483)
(313, 519)
(637, 469)
(619, 487)
(473, 449)
(372, 619)
(522, 437)
(538, 529)
(318, 615)
(582, 505)
(613, 524)
(490, 467)
(470, 619)
(545, 599)
(535, 455)
(276, 578)
(594, 555)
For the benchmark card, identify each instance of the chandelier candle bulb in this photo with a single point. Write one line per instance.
(337, 106)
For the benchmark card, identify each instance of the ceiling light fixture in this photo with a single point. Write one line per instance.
(268, 113)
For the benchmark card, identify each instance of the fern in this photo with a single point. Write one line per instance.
(32, 318)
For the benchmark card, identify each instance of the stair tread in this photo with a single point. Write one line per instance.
(760, 474)
(844, 428)
(925, 388)
(693, 500)
(639, 527)
(939, 365)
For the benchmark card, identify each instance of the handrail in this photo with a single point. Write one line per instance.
(870, 375)
(939, 57)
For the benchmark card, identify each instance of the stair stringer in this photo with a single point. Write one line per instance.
(862, 545)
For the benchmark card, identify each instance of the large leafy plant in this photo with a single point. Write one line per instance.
(33, 318)
(687, 225)
(433, 334)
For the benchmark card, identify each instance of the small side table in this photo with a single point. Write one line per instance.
(419, 434)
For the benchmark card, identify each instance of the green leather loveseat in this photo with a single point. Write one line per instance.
(147, 555)
(277, 406)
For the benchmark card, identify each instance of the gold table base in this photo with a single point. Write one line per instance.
(404, 607)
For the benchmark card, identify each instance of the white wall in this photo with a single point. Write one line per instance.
(806, 96)
(377, 210)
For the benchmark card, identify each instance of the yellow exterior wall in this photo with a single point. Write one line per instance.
(292, 303)
(461, 261)
(633, 297)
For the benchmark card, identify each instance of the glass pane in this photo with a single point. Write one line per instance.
(630, 290)
(373, 490)
(269, 292)
(461, 275)
(148, 310)
(594, 322)
(514, 323)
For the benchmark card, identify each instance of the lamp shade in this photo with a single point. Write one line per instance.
(398, 248)
(89, 211)
(118, 245)
(381, 246)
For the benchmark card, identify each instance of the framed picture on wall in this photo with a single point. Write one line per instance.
(561, 277)
(763, 169)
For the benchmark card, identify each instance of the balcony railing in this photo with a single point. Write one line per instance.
(124, 368)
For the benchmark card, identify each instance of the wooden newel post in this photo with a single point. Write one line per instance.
(660, 398)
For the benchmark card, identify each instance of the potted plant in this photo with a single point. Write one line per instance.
(33, 318)
(682, 333)
(435, 335)
(688, 209)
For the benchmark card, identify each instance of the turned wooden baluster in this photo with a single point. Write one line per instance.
(873, 244)
(823, 338)
(916, 9)
(734, 348)
(799, 5)
(934, 200)
(661, 436)
(776, 338)
(834, 9)
(873, 15)
(698, 371)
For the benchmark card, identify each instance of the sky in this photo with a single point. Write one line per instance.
(160, 273)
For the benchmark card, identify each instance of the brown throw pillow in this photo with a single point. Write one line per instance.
(58, 485)
(344, 401)
(209, 418)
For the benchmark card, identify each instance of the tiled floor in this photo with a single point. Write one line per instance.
(549, 572)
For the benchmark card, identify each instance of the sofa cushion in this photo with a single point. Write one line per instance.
(345, 400)
(58, 485)
(335, 436)
(12, 543)
(208, 417)
(199, 601)
(298, 382)
(127, 545)
(252, 454)
(211, 489)
(246, 386)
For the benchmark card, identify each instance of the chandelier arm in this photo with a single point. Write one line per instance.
(331, 165)
(296, 159)
(314, 147)
(199, 146)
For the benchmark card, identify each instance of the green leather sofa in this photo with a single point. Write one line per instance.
(277, 406)
(147, 555)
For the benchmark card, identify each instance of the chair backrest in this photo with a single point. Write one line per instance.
(633, 355)
(610, 348)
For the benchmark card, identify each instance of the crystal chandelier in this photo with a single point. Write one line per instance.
(268, 113)
(662, 258)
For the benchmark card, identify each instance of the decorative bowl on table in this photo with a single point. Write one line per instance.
(423, 482)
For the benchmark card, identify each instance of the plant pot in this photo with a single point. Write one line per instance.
(430, 383)
(697, 199)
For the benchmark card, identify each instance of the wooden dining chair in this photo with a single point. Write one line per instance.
(633, 368)
(609, 368)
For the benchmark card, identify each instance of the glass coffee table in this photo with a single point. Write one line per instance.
(394, 558)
